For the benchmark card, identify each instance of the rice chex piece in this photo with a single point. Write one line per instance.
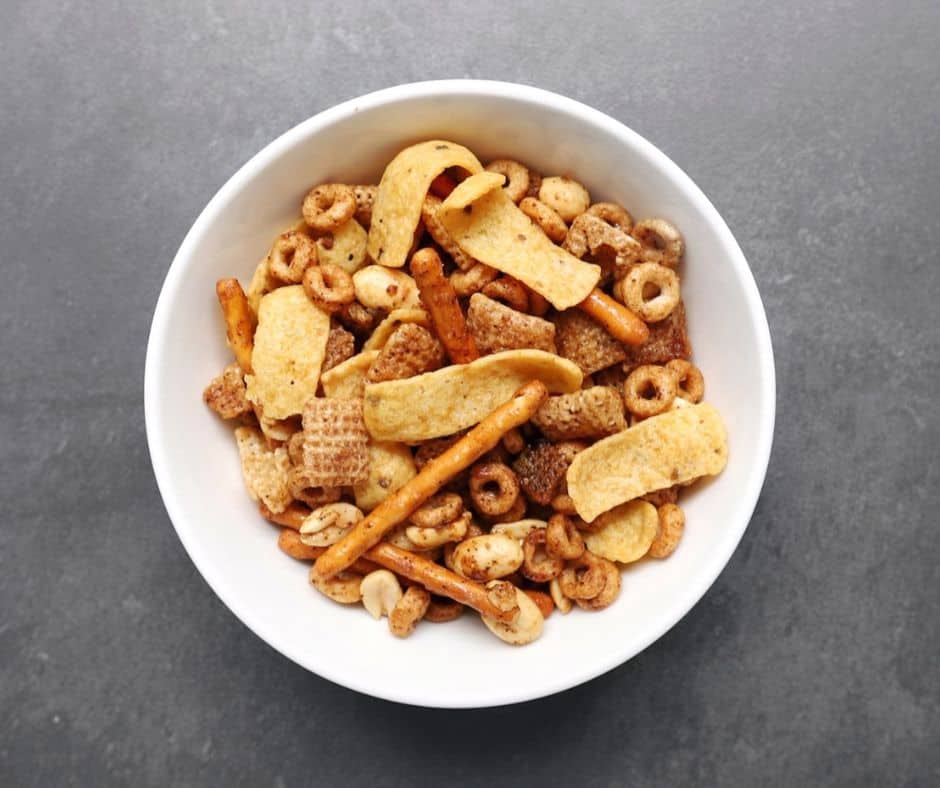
(340, 345)
(584, 341)
(336, 443)
(669, 339)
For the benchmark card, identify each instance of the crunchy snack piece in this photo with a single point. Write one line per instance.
(439, 297)
(497, 233)
(340, 346)
(624, 534)
(669, 532)
(329, 287)
(289, 345)
(378, 287)
(335, 442)
(497, 327)
(660, 497)
(669, 339)
(674, 447)
(517, 177)
(395, 318)
(586, 342)
(614, 214)
(494, 488)
(430, 215)
(590, 233)
(226, 393)
(401, 195)
(239, 321)
(329, 206)
(541, 471)
(525, 627)
(265, 470)
(472, 189)
(691, 382)
(347, 380)
(473, 280)
(365, 199)
(293, 253)
(619, 321)
(391, 466)
(565, 195)
(345, 247)
(548, 219)
(303, 485)
(662, 242)
(456, 397)
(588, 413)
(649, 289)
(358, 318)
(411, 350)
(510, 292)
(650, 390)
(408, 611)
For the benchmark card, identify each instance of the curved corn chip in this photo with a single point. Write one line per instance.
(395, 318)
(674, 447)
(472, 189)
(456, 397)
(401, 193)
(261, 284)
(391, 466)
(346, 380)
(290, 342)
(626, 532)
(347, 248)
(497, 233)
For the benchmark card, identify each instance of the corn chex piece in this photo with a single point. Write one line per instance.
(497, 327)
(410, 350)
(588, 413)
(340, 346)
(586, 342)
(226, 393)
(669, 339)
(265, 470)
(336, 444)
(541, 471)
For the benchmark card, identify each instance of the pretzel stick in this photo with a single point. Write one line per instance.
(439, 298)
(292, 517)
(396, 508)
(239, 321)
(619, 321)
(289, 542)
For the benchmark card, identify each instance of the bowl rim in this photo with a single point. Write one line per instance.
(156, 348)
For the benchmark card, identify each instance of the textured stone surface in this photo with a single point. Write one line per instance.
(814, 126)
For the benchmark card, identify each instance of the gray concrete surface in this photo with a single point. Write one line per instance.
(812, 124)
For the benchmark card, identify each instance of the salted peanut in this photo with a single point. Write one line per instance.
(591, 234)
(302, 486)
(562, 603)
(614, 214)
(437, 511)
(266, 471)
(588, 413)
(487, 557)
(609, 593)
(391, 466)
(429, 538)
(410, 350)
(541, 471)
(239, 321)
(430, 215)
(585, 342)
(402, 192)
(472, 280)
(538, 565)
(335, 442)
(494, 488)
(517, 177)
(495, 327)
(343, 587)
(442, 610)
(289, 345)
(625, 533)
(291, 255)
(518, 529)
(650, 390)
(671, 526)
(689, 379)
(345, 247)
(662, 242)
(649, 289)
(340, 346)
(347, 380)
(380, 592)
(564, 195)
(327, 524)
(378, 287)
(365, 199)
(408, 611)
(439, 297)
(525, 628)
(547, 218)
(620, 322)
(562, 538)
(399, 538)
(225, 394)
(542, 601)
(329, 206)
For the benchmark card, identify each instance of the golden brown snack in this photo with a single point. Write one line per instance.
(625, 533)
(541, 471)
(441, 610)
(547, 218)
(538, 565)
(347, 380)
(494, 488)
(495, 327)
(588, 413)
(542, 601)
(345, 247)
(329, 206)
(411, 350)
(293, 253)
(394, 509)
(408, 611)
(292, 517)
(650, 390)
(619, 321)
(564, 195)
(340, 346)
(650, 290)
(303, 487)
(265, 470)
(671, 526)
(390, 467)
(329, 287)
(430, 215)
(668, 340)
(689, 379)
(397, 317)
(662, 242)
(615, 248)
(585, 342)
(440, 300)
(473, 279)
(335, 442)
(562, 538)
(517, 177)
(508, 291)
(614, 214)
(239, 321)
(225, 394)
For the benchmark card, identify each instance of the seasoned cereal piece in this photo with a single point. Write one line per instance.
(410, 350)
(497, 327)
(226, 393)
(661, 497)
(265, 470)
(365, 198)
(340, 346)
(587, 343)
(336, 443)
(589, 413)
(430, 215)
(612, 376)
(541, 472)
(669, 339)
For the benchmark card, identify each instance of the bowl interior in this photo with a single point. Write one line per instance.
(196, 461)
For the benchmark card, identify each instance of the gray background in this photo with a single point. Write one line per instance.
(813, 126)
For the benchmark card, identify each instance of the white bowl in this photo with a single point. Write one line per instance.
(196, 464)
